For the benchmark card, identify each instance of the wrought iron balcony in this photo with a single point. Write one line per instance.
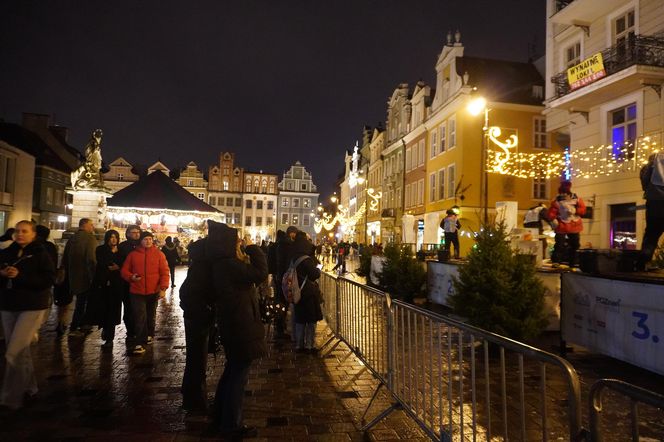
(637, 50)
(561, 4)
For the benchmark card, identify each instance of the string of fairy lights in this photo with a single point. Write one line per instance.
(591, 162)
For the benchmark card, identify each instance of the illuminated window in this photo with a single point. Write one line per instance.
(306, 203)
(285, 202)
(120, 177)
(623, 131)
(294, 219)
(225, 185)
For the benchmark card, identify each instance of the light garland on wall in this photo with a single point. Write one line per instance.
(591, 162)
(375, 199)
(327, 221)
(167, 216)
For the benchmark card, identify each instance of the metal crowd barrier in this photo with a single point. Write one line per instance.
(636, 395)
(456, 381)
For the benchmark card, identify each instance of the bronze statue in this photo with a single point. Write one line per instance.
(88, 175)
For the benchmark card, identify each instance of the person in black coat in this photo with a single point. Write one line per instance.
(197, 303)
(26, 276)
(278, 260)
(172, 257)
(308, 311)
(133, 235)
(236, 273)
(108, 286)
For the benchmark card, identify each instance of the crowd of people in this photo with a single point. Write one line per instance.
(123, 281)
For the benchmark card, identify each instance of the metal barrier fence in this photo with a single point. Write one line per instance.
(636, 395)
(456, 381)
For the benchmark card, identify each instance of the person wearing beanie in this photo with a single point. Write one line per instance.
(652, 183)
(133, 235)
(146, 271)
(565, 213)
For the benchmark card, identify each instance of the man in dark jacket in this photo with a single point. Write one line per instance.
(652, 182)
(133, 235)
(235, 274)
(81, 262)
(197, 303)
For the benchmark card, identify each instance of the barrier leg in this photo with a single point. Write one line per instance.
(383, 414)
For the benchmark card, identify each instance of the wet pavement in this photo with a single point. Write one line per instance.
(92, 394)
(87, 393)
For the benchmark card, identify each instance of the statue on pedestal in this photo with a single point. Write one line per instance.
(88, 175)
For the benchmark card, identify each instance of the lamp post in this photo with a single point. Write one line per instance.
(476, 107)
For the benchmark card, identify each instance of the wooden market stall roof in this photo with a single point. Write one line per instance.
(158, 191)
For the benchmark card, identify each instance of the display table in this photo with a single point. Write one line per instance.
(621, 316)
(440, 287)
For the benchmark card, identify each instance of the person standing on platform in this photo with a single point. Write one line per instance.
(172, 257)
(565, 213)
(652, 182)
(451, 225)
(26, 275)
(81, 263)
(133, 235)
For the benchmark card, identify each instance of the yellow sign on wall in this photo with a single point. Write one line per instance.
(589, 70)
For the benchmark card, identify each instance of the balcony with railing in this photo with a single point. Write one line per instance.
(635, 62)
(582, 12)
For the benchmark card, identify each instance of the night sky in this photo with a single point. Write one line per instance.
(274, 81)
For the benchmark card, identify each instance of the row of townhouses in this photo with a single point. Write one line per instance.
(592, 104)
(36, 162)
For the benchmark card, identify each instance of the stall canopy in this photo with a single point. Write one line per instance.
(157, 191)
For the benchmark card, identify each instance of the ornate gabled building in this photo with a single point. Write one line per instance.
(298, 200)
(120, 175)
(605, 71)
(225, 188)
(194, 181)
(375, 185)
(259, 205)
(158, 165)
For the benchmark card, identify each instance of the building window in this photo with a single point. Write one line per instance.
(212, 200)
(229, 202)
(306, 203)
(225, 185)
(226, 171)
(247, 186)
(452, 132)
(285, 202)
(247, 221)
(201, 196)
(259, 205)
(248, 204)
(441, 184)
(259, 220)
(271, 190)
(190, 182)
(270, 205)
(268, 221)
(284, 218)
(432, 187)
(443, 138)
(236, 218)
(539, 189)
(229, 218)
(294, 219)
(256, 186)
(623, 131)
(624, 28)
(305, 220)
(408, 160)
(264, 186)
(420, 192)
(539, 133)
(304, 187)
(238, 202)
(421, 153)
(120, 176)
(296, 202)
(49, 195)
(407, 202)
(451, 178)
(573, 55)
(433, 146)
(289, 185)
(399, 162)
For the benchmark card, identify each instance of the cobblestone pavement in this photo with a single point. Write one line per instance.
(92, 394)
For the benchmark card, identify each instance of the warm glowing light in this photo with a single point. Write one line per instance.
(375, 198)
(477, 106)
(501, 158)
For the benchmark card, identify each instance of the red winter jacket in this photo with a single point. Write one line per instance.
(151, 265)
(567, 211)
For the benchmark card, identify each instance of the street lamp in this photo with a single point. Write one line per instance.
(476, 107)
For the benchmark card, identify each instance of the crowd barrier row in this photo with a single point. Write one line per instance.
(459, 382)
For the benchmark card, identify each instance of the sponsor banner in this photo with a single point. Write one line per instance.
(621, 319)
(589, 70)
(440, 287)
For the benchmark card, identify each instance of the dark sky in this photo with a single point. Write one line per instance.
(274, 81)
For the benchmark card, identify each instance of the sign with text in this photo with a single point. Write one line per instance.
(589, 70)
(621, 319)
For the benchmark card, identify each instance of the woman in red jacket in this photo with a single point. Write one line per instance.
(566, 212)
(146, 270)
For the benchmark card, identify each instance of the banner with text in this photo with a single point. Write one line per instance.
(621, 319)
(589, 70)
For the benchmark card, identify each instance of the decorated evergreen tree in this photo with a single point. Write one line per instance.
(498, 290)
(403, 277)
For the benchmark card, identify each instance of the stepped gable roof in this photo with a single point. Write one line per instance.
(501, 80)
(158, 191)
(31, 143)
